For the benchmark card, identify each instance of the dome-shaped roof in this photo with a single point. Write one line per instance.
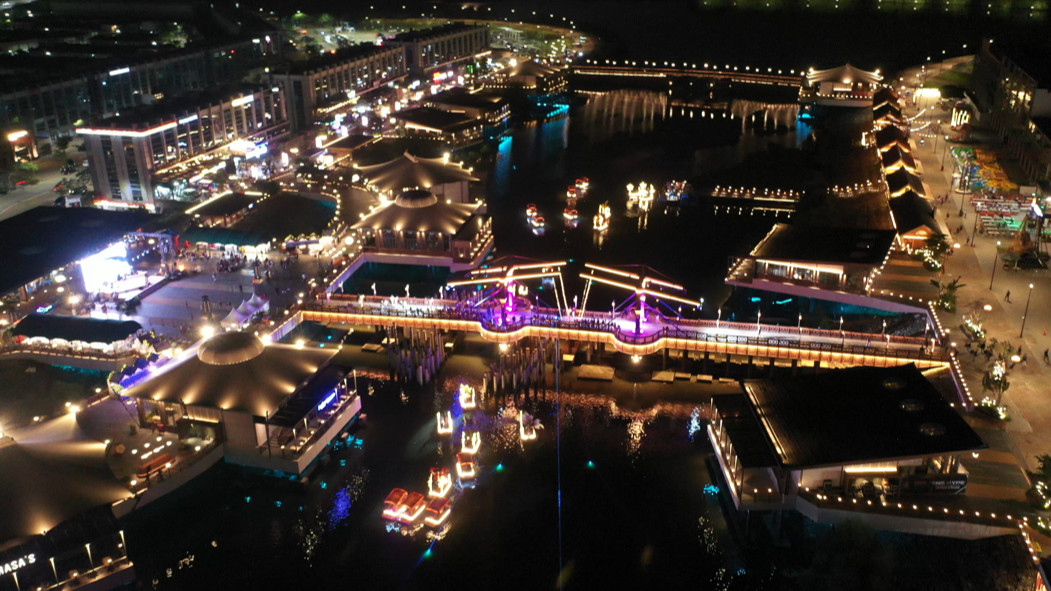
(229, 348)
(415, 198)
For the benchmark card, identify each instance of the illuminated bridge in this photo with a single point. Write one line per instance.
(621, 333)
(634, 70)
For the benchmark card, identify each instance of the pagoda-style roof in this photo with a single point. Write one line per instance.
(902, 180)
(913, 211)
(413, 172)
(419, 211)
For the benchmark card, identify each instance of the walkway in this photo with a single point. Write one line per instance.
(1026, 400)
(811, 346)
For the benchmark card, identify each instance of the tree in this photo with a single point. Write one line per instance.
(947, 293)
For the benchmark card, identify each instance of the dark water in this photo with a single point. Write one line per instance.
(632, 489)
(619, 138)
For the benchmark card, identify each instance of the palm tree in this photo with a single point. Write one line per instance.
(947, 293)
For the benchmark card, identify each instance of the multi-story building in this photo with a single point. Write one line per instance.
(1015, 101)
(54, 98)
(337, 78)
(128, 153)
(442, 46)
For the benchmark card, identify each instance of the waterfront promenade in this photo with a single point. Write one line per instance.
(1029, 430)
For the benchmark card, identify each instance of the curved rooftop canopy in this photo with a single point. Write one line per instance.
(845, 74)
(419, 211)
(53, 473)
(229, 348)
(413, 172)
(232, 374)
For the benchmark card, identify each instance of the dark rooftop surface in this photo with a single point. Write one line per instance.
(308, 397)
(408, 171)
(76, 328)
(434, 118)
(743, 428)
(341, 55)
(912, 211)
(461, 97)
(422, 34)
(903, 179)
(176, 106)
(287, 214)
(256, 384)
(53, 474)
(45, 238)
(858, 415)
(830, 245)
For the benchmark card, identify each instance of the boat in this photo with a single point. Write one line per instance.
(531, 210)
(437, 511)
(392, 505)
(445, 423)
(601, 219)
(570, 214)
(571, 193)
(467, 397)
(538, 222)
(676, 190)
(465, 467)
(439, 483)
(412, 506)
(525, 432)
(583, 184)
(469, 444)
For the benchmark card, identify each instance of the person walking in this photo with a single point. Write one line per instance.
(1007, 296)
(1047, 356)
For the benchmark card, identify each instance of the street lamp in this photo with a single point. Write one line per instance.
(945, 152)
(1026, 313)
(995, 255)
(799, 324)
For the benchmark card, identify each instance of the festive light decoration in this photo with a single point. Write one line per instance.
(467, 397)
(526, 432)
(445, 423)
(439, 483)
(601, 219)
(465, 468)
(469, 444)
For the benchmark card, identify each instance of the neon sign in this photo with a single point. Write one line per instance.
(20, 563)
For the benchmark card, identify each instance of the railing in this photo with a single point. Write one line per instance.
(697, 330)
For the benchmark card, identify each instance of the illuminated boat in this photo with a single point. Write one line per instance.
(469, 444)
(392, 505)
(571, 193)
(412, 507)
(445, 423)
(526, 432)
(601, 219)
(531, 210)
(468, 400)
(437, 511)
(465, 468)
(583, 184)
(440, 482)
(570, 214)
(676, 190)
(538, 222)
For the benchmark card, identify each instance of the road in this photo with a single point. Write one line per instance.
(29, 196)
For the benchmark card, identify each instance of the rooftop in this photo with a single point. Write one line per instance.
(461, 97)
(411, 172)
(337, 57)
(792, 242)
(232, 371)
(435, 119)
(419, 211)
(54, 473)
(412, 36)
(76, 328)
(176, 106)
(858, 415)
(911, 211)
(46, 238)
(846, 74)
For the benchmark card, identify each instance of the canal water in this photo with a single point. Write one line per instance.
(638, 508)
(637, 505)
(617, 138)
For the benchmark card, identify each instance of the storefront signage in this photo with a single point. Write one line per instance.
(10, 567)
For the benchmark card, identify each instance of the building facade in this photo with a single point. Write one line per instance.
(127, 153)
(338, 78)
(1011, 98)
(54, 109)
(442, 46)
